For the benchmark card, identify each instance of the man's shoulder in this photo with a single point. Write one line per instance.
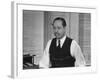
(75, 43)
(70, 38)
(49, 41)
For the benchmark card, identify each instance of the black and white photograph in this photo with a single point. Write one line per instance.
(54, 39)
(51, 40)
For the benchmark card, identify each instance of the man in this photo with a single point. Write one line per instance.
(61, 51)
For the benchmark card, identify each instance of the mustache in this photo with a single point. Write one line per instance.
(56, 33)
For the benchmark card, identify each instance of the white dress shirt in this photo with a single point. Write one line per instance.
(74, 49)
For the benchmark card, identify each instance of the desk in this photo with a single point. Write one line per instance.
(28, 62)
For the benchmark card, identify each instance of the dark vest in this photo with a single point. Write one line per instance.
(61, 57)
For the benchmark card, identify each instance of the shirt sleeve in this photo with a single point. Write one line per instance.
(77, 53)
(44, 62)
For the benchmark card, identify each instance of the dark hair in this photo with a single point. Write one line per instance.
(62, 19)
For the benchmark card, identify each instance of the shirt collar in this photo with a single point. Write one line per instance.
(62, 40)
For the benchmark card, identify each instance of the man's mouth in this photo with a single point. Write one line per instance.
(56, 34)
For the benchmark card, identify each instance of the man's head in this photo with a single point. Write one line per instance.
(59, 27)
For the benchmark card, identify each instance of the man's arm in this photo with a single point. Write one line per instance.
(44, 62)
(77, 53)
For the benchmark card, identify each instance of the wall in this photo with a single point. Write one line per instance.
(33, 23)
(85, 35)
(74, 26)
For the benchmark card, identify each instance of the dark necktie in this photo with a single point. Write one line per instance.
(58, 43)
